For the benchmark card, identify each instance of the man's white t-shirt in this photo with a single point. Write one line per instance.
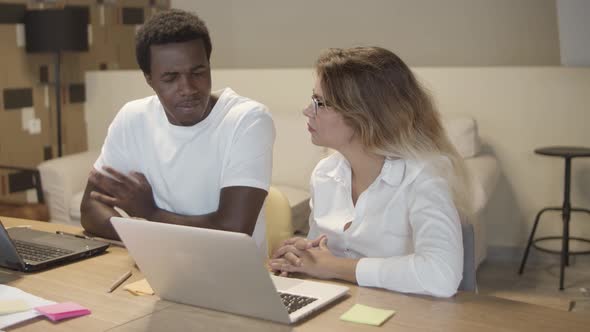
(188, 166)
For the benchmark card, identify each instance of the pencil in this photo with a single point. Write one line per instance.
(119, 281)
(94, 238)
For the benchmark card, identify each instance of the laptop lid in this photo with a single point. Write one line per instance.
(213, 269)
(27, 250)
(9, 257)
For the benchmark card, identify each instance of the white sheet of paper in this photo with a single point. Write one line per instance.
(12, 293)
(20, 35)
(27, 114)
(34, 126)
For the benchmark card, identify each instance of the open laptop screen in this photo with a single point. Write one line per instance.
(26, 249)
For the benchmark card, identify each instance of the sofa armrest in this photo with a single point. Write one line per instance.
(484, 173)
(62, 178)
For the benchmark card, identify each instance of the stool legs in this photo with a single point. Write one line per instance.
(565, 239)
(565, 242)
(565, 216)
(532, 236)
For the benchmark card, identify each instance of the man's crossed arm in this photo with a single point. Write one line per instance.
(237, 212)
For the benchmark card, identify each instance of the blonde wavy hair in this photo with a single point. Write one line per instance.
(393, 115)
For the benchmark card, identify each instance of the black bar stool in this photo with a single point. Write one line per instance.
(568, 153)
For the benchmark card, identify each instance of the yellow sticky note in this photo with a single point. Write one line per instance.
(12, 306)
(140, 287)
(367, 315)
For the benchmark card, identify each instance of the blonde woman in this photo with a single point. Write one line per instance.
(386, 205)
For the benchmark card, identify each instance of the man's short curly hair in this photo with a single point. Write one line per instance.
(170, 26)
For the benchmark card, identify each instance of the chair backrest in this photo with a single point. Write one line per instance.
(20, 180)
(278, 219)
(469, 281)
(23, 178)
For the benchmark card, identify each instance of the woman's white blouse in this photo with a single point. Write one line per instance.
(405, 228)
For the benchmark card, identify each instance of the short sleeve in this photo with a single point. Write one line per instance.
(115, 150)
(250, 156)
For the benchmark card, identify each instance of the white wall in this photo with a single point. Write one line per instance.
(103, 101)
(280, 33)
(574, 31)
(517, 110)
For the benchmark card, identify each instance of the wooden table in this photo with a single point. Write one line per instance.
(86, 282)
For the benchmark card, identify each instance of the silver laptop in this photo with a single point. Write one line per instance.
(29, 250)
(218, 270)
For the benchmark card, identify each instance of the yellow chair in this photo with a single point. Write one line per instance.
(278, 219)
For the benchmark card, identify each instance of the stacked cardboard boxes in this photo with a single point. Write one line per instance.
(28, 131)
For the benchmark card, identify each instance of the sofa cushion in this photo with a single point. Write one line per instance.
(75, 203)
(462, 132)
(62, 178)
(484, 174)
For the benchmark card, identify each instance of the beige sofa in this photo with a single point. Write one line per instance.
(294, 157)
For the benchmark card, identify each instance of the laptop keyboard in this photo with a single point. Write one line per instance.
(295, 302)
(37, 252)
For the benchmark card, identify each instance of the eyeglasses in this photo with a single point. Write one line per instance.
(317, 103)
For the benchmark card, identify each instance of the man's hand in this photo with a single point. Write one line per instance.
(130, 193)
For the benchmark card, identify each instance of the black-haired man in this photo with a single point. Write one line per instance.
(186, 155)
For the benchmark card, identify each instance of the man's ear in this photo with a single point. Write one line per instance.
(148, 79)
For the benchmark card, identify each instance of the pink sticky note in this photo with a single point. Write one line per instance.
(61, 311)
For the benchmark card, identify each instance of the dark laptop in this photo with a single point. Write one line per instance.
(27, 250)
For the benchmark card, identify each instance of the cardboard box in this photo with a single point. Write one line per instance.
(74, 130)
(123, 38)
(113, 46)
